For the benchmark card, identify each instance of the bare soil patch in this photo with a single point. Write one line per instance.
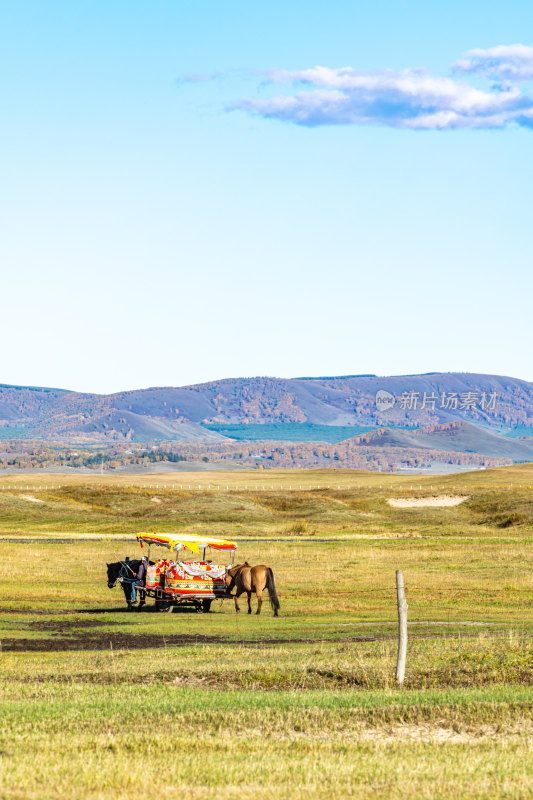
(134, 641)
(441, 501)
(30, 498)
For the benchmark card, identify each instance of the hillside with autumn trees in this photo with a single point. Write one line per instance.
(362, 421)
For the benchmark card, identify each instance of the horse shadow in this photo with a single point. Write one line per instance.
(147, 609)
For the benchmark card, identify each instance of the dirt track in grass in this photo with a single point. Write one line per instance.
(152, 641)
(127, 641)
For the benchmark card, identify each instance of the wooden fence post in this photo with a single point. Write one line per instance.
(402, 627)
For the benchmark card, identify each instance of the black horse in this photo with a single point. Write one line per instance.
(126, 571)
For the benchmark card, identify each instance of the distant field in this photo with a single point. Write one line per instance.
(257, 503)
(520, 430)
(14, 433)
(290, 432)
(98, 703)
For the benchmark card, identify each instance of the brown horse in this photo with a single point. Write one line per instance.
(252, 579)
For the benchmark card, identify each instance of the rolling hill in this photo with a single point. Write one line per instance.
(419, 400)
(141, 428)
(453, 437)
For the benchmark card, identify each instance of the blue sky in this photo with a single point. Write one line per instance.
(158, 230)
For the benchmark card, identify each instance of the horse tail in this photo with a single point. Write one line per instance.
(272, 594)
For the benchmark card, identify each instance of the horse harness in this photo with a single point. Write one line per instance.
(122, 574)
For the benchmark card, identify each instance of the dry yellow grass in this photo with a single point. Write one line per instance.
(116, 705)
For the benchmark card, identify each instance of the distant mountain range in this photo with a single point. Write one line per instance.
(493, 407)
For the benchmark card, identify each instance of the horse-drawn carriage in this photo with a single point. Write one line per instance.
(190, 583)
(176, 582)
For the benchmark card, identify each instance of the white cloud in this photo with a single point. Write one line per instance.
(511, 62)
(412, 99)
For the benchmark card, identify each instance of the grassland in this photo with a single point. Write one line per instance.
(99, 703)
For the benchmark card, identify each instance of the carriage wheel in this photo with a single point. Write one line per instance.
(164, 606)
(206, 606)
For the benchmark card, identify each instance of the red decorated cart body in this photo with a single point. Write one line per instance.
(187, 578)
(173, 582)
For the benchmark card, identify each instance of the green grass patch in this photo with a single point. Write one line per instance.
(15, 433)
(289, 431)
(79, 741)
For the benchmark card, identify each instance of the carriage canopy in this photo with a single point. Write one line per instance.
(181, 540)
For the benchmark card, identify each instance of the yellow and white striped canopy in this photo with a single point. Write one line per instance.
(181, 540)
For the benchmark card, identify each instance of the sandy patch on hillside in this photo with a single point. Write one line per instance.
(155, 499)
(30, 498)
(419, 502)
